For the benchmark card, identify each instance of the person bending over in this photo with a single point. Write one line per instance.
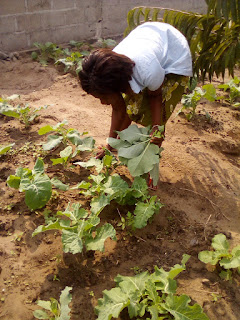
(142, 78)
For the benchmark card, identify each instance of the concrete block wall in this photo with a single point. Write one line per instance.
(23, 22)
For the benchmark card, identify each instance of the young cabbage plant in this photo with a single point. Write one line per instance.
(36, 185)
(233, 89)
(54, 310)
(105, 187)
(64, 135)
(80, 229)
(149, 296)
(221, 256)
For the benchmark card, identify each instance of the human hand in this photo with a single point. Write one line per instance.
(102, 151)
(157, 134)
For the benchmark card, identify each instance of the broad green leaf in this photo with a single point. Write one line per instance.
(71, 242)
(143, 212)
(115, 186)
(52, 142)
(37, 192)
(145, 161)
(179, 307)
(97, 204)
(65, 153)
(59, 184)
(5, 149)
(44, 304)
(133, 151)
(219, 242)
(11, 113)
(45, 129)
(130, 285)
(226, 275)
(139, 187)
(210, 92)
(74, 212)
(40, 314)
(93, 162)
(65, 299)
(112, 303)
(152, 292)
(13, 181)
(208, 257)
(234, 261)
(82, 185)
(74, 136)
(58, 161)
(131, 134)
(51, 226)
(117, 143)
(164, 281)
(38, 167)
(102, 233)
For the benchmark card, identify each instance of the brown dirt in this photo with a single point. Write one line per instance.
(199, 186)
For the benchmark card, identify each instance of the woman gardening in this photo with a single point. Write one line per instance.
(142, 78)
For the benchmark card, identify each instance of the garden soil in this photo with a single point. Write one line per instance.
(199, 187)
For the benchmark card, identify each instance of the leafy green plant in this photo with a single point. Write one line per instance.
(191, 100)
(79, 229)
(106, 43)
(222, 256)
(35, 183)
(5, 148)
(64, 135)
(136, 151)
(233, 88)
(149, 296)
(213, 37)
(24, 113)
(73, 63)
(46, 52)
(105, 187)
(54, 310)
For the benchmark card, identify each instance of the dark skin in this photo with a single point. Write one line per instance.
(120, 119)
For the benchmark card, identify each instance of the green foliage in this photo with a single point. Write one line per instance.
(233, 88)
(149, 296)
(35, 183)
(104, 187)
(79, 228)
(64, 135)
(46, 52)
(54, 310)
(137, 152)
(222, 256)
(72, 63)
(213, 37)
(191, 100)
(24, 113)
(5, 148)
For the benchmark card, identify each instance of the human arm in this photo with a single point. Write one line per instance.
(156, 105)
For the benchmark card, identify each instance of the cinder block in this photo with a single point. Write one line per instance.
(38, 5)
(7, 24)
(41, 36)
(10, 42)
(88, 3)
(29, 22)
(8, 7)
(91, 14)
(64, 35)
(74, 16)
(52, 19)
(63, 4)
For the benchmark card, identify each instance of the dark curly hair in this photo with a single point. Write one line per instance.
(105, 71)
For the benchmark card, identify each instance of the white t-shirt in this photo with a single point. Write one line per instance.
(157, 49)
